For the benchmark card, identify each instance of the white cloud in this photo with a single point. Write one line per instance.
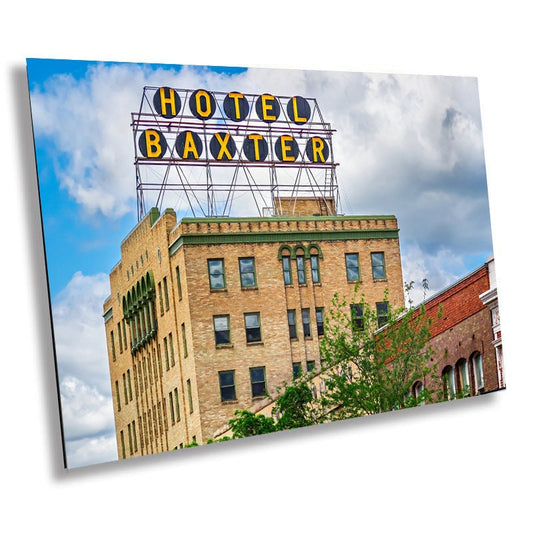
(83, 369)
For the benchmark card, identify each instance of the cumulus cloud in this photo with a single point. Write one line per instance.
(83, 370)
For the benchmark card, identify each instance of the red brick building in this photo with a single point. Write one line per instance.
(467, 337)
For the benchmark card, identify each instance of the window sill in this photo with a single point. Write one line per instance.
(249, 288)
(381, 280)
(223, 346)
(229, 402)
(255, 343)
(259, 398)
(354, 281)
(219, 290)
(294, 339)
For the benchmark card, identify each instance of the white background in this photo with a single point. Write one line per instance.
(461, 466)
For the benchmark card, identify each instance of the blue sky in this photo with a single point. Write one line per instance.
(411, 146)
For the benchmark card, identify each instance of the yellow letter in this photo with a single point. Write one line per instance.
(207, 111)
(164, 101)
(236, 102)
(297, 118)
(189, 146)
(318, 146)
(267, 107)
(223, 145)
(286, 148)
(153, 143)
(256, 138)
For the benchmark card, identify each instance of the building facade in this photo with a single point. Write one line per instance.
(207, 315)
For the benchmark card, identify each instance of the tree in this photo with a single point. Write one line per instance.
(369, 365)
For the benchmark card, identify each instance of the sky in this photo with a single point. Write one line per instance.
(410, 146)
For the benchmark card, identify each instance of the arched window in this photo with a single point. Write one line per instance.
(418, 388)
(448, 382)
(463, 381)
(476, 362)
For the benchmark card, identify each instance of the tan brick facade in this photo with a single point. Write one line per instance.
(165, 300)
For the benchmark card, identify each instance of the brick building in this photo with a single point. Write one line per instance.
(207, 314)
(466, 338)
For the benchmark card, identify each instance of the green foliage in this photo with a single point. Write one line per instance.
(367, 368)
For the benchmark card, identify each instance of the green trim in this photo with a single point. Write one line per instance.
(154, 215)
(279, 236)
(108, 315)
(221, 220)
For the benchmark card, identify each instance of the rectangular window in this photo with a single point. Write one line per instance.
(134, 431)
(125, 388)
(171, 346)
(296, 370)
(315, 272)
(227, 385)
(310, 365)
(171, 402)
(378, 265)
(129, 385)
(165, 289)
(180, 294)
(306, 323)
(160, 290)
(124, 334)
(167, 361)
(122, 444)
(113, 346)
(247, 271)
(287, 275)
(184, 339)
(320, 320)
(357, 317)
(257, 378)
(352, 267)
(222, 332)
(189, 394)
(217, 278)
(300, 268)
(291, 317)
(119, 338)
(253, 327)
(383, 313)
(130, 439)
(117, 392)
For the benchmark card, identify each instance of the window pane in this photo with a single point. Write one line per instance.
(257, 374)
(291, 315)
(252, 321)
(253, 335)
(352, 267)
(378, 265)
(221, 323)
(258, 389)
(300, 266)
(314, 269)
(226, 378)
(216, 266)
(286, 262)
(248, 279)
(247, 265)
(222, 337)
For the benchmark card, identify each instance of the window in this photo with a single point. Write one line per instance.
(378, 265)
(165, 342)
(124, 334)
(221, 325)
(160, 290)
(320, 320)
(257, 378)
(463, 383)
(117, 392)
(310, 365)
(134, 431)
(226, 379)
(352, 267)
(122, 444)
(247, 271)
(296, 370)
(306, 323)
(217, 278)
(448, 382)
(165, 290)
(383, 313)
(300, 268)
(253, 327)
(418, 388)
(119, 338)
(477, 367)
(315, 272)
(129, 385)
(112, 335)
(178, 278)
(287, 275)
(171, 402)
(184, 338)
(171, 346)
(291, 316)
(357, 317)
(189, 394)
(177, 404)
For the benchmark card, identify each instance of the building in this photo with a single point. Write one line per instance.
(207, 314)
(466, 338)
